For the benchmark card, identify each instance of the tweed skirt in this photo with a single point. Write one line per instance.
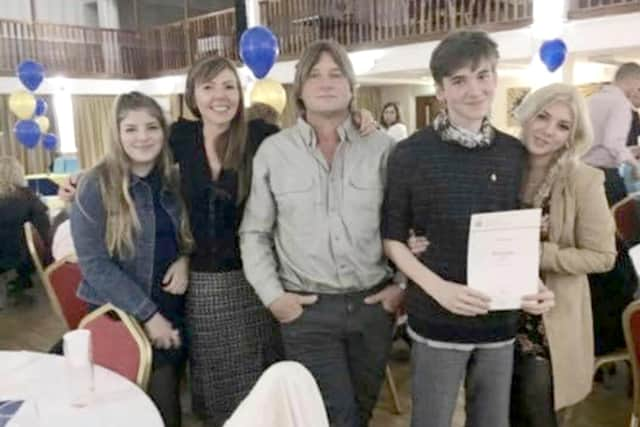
(234, 338)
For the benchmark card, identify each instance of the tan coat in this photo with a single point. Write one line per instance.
(581, 241)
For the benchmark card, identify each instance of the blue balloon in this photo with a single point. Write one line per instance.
(27, 132)
(49, 141)
(41, 107)
(259, 50)
(31, 74)
(552, 53)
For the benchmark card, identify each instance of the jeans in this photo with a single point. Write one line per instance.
(438, 373)
(345, 343)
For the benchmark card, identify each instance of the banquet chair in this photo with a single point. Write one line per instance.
(631, 326)
(37, 248)
(119, 343)
(61, 280)
(391, 383)
(627, 217)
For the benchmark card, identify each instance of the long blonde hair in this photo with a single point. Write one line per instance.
(11, 175)
(114, 177)
(580, 137)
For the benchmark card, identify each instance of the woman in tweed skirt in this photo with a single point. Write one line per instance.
(233, 336)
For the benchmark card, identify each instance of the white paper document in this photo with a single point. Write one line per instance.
(504, 256)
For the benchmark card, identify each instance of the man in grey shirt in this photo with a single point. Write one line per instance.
(611, 110)
(310, 238)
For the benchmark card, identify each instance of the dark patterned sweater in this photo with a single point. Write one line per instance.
(434, 187)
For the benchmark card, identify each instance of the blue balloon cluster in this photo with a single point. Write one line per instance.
(259, 50)
(31, 74)
(41, 106)
(553, 53)
(28, 131)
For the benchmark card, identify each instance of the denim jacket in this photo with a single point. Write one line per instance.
(124, 282)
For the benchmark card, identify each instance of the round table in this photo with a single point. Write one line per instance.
(40, 381)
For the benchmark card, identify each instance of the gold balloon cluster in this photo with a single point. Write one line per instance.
(270, 92)
(23, 105)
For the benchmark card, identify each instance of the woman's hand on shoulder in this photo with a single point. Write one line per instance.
(365, 122)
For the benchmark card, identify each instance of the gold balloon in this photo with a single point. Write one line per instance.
(270, 92)
(43, 123)
(22, 104)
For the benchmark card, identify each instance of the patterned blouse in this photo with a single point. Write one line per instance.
(531, 337)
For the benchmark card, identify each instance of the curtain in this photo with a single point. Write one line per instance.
(91, 115)
(35, 160)
(368, 97)
(289, 116)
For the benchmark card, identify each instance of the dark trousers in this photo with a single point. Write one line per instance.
(164, 391)
(614, 185)
(532, 392)
(345, 343)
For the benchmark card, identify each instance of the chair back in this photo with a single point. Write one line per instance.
(62, 279)
(627, 217)
(631, 326)
(37, 248)
(119, 343)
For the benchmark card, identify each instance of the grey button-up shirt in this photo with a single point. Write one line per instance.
(610, 113)
(312, 227)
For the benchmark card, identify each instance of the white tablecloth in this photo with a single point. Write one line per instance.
(41, 381)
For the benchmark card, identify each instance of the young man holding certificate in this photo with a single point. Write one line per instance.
(458, 166)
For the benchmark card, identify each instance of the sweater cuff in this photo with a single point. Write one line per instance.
(146, 311)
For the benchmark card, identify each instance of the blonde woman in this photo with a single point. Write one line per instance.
(18, 204)
(133, 240)
(554, 359)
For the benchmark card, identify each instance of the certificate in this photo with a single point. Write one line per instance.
(504, 256)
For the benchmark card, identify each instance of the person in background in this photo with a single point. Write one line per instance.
(263, 112)
(18, 204)
(391, 122)
(611, 110)
(554, 353)
(131, 232)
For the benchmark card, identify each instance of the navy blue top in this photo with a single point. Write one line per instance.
(164, 254)
(214, 209)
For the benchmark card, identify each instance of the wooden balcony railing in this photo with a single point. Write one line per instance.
(100, 52)
(363, 23)
(580, 9)
(72, 50)
(175, 46)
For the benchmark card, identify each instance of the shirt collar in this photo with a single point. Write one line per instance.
(346, 131)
